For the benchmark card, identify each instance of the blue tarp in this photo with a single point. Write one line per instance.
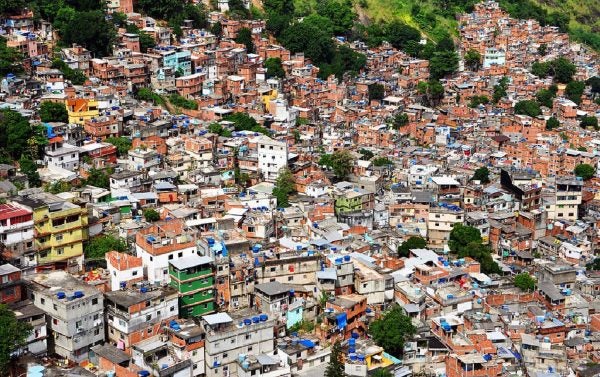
(307, 343)
(341, 320)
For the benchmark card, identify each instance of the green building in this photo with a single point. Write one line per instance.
(194, 279)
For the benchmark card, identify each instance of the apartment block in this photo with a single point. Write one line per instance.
(194, 279)
(75, 312)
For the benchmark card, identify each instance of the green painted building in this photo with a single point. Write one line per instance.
(194, 279)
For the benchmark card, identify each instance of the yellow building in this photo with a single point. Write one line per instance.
(60, 229)
(81, 109)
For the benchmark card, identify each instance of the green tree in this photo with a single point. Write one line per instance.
(376, 91)
(585, 171)
(392, 330)
(545, 97)
(366, 154)
(122, 143)
(589, 122)
(563, 70)
(335, 367)
(13, 336)
(340, 12)
(97, 246)
(279, 6)
(244, 37)
(594, 84)
(244, 122)
(161, 9)
(75, 76)
(10, 59)
(53, 112)
(218, 129)
(15, 132)
(462, 235)
(341, 163)
(8, 7)
(58, 187)
(29, 168)
(473, 59)
(98, 178)
(500, 89)
(574, 91)
(414, 242)
(308, 37)
(432, 92)
(183, 102)
(593, 265)
(217, 29)
(382, 161)
(540, 69)
(400, 34)
(151, 215)
(482, 175)
(478, 100)
(528, 107)
(542, 49)
(91, 30)
(381, 372)
(400, 120)
(525, 282)
(146, 94)
(284, 186)
(274, 68)
(552, 123)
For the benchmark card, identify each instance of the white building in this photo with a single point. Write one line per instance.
(75, 311)
(228, 338)
(272, 156)
(65, 156)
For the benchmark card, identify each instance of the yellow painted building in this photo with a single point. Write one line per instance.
(81, 109)
(60, 229)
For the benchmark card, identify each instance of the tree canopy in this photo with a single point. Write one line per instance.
(392, 330)
(10, 59)
(15, 133)
(525, 282)
(552, 123)
(151, 215)
(122, 143)
(98, 178)
(96, 247)
(589, 122)
(341, 163)
(482, 174)
(244, 36)
(414, 242)
(53, 112)
(284, 186)
(574, 91)
(585, 171)
(528, 107)
(335, 367)
(274, 68)
(88, 28)
(13, 335)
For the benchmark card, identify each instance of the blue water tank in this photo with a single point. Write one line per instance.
(292, 292)
(61, 295)
(347, 258)
(143, 290)
(143, 373)
(78, 294)
(355, 335)
(255, 319)
(351, 342)
(247, 321)
(361, 358)
(264, 317)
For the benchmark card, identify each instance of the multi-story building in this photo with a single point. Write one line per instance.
(272, 156)
(162, 243)
(81, 109)
(124, 269)
(568, 199)
(10, 284)
(37, 342)
(60, 229)
(187, 338)
(75, 313)
(194, 279)
(440, 221)
(133, 315)
(61, 155)
(16, 234)
(246, 333)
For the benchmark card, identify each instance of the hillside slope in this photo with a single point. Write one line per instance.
(436, 17)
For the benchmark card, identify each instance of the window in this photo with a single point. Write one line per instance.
(290, 278)
(134, 273)
(171, 257)
(58, 237)
(150, 330)
(224, 355)
(179, 255)
(54, 306)
(42, 301)
(95, 316)
(54, 321)
(95, 301)
(249, 348)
